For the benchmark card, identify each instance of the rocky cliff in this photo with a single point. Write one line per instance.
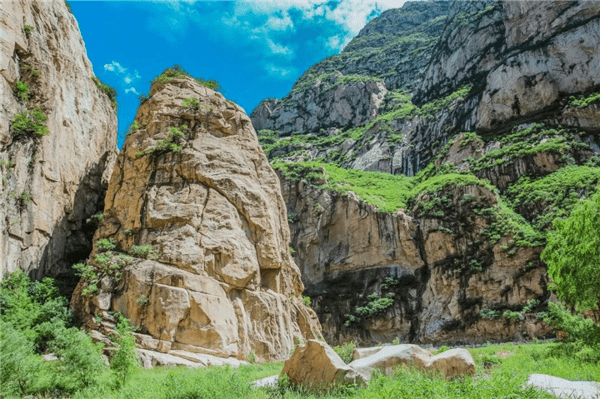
(194, 245)
(498, 137)
(57, 139)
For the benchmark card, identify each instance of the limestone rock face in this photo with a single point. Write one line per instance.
(325, 103)
(50, 184)
(218, 277)
(315, 366)
(439, 271)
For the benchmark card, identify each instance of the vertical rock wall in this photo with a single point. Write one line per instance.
(50, 184)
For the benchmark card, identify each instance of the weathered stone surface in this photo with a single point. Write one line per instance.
(220, 279)
(562, 388)
(58, 180)
(266, 382)
(451, 363)
(390, 357)
(315, 366)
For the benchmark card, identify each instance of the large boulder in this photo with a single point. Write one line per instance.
(452, 363)
(194, 200)
(316, 367)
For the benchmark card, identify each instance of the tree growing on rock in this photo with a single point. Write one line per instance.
(573, 256)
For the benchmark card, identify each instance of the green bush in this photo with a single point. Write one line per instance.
(573, 255)
(306, 300)
(22, 90)
(31, 121)
(28, 29)
(106, 244)
(489, 313)
(109, 91)
(512, 315)
(177, 72)
(144, 251)
(125, 361)
(346, 351)
(191, 103)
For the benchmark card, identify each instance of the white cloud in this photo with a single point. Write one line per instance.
(114, 67)
(279, 72)
(121, 71)
(335, 43)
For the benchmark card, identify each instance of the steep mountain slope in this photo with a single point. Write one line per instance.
(57, 140)
(193, 246)
(498, 137)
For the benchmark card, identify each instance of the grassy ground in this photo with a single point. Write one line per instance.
(501, 373)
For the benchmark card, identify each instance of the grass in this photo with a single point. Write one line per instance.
(177, 72)
(507, 369)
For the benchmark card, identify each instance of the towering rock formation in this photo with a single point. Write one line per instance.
(50, 183)
(504, 92)
(194, 200)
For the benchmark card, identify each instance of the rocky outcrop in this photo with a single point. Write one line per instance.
(50, 183)
(415, 275)
(521, 62)
(196, 236)
(348, 89)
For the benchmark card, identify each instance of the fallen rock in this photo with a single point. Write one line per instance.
(49, 357)
(316, 366)
(451, 363)
(361, 353)
(151, 359)
(389, 357)
(266, 382)
(562, 388)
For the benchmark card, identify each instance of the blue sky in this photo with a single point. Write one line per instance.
(254, 49)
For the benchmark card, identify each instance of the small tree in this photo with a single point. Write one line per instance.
(573, 255)
(125, 361)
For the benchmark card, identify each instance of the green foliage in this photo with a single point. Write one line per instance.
(583, 101)
(530, 305)
(512, 315)
(582, 333)
(125, 361)
(374, 306)
(30, 121)
(106, 244)
(142, 98)
(173, 142)
(191, 102)
(441, 349)
(97, 217)
(145, 251)
(22, 90)
(35, 319)
(134, 127)
(28, 29)
(346, 351)
(109, 91)
(573, 255)
(68, 6)
(489, 313)
(555, 195)
(34, 72)
(177, 72)
(306, 300)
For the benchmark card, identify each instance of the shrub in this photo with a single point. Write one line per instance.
(109, 91)
(22, 90)
(251, 358)
(346, 351)
(142, 300)
(134, 127)
(512, 315)
(125, 360)
(489, 313)
(145, 251)
(31, 121)
(530, 305)
(191, 103)
(106, 244)
(306, 300)
(28, 29)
